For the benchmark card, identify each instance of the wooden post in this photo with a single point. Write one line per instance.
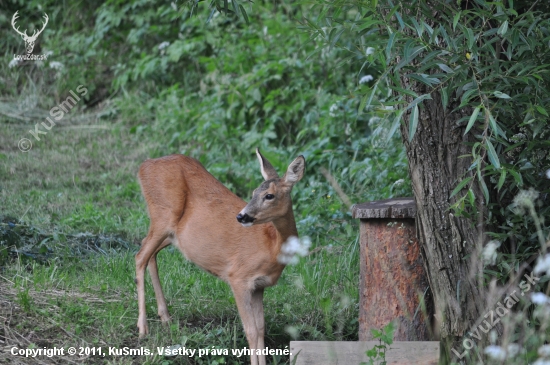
(392, 279)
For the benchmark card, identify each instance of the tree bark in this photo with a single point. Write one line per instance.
(450, 244)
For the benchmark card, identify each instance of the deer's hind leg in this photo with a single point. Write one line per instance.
(153, 271)
(149, 248)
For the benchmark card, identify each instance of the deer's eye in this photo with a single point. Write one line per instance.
(269, 196)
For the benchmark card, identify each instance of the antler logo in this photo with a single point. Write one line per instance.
(29, 41)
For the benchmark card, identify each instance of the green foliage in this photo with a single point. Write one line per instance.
(490, 60)
(488, 63)
(218, 89)
(377, 355)
(162, 81)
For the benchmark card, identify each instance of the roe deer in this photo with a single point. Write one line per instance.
(192, 210)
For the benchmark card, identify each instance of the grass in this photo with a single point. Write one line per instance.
(92, 302)
(80, 177)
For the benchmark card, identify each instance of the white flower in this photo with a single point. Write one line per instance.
(366, 79)
(548, 174)
(13, 63)
(48, 53)
(292, 248)
(163, 45)
(543, 264)
(332, 110)
(369, 51)
(399, 182)
(539, 298)
(489, 254)
(544, 351)
(524, 199)
(518, 137)
(512, 350)
(542, 362)
(348, 130)
(373, 120)
(495, 352)
(56, 65)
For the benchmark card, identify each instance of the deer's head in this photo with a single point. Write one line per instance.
(29, 40)
(271, 200)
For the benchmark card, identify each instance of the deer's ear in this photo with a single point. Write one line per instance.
(295, 170)
(268, 172)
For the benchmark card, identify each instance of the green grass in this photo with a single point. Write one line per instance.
(84, 180)
(94, 302)
(71, 211)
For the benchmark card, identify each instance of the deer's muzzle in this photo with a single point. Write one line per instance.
(245, 219)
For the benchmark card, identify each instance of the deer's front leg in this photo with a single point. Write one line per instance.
(243, 298)
(258, 311)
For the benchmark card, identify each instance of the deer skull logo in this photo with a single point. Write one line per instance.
(29, 41)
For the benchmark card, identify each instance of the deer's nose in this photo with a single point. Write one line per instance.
(244, 218)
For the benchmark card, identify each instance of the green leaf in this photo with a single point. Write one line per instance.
(493, 157)
(541, 110)
(418, 100)
(503, 28)
(473, 118)
(467, 96)
(501, 179)
(460, 186)
(425, 79)
(485, 190)
(245, 16)
(389, 46)
(363, 103)
(413, 122)
(395, 124)
(501, 95)
(372, 352)
(400, 20)
(444, 97)
(445, 68)
(470, 37)
(419, 27)
(517, 177)
(410, 54)
(471, 197)
(367, 101)
(455, 19)
(431, 56)
(492, 122)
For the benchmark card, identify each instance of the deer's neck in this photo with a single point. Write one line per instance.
(284, 227)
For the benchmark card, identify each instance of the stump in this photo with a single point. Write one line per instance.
(393, 280)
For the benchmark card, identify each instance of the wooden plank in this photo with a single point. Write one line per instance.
(388, 208)
(352, 353)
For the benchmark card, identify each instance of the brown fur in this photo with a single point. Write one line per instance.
(192, 210)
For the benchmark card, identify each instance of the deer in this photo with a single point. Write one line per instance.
(29, 41)
(190, 209)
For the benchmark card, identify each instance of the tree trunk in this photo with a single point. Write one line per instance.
(450, 244)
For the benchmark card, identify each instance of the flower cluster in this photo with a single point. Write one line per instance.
(543, 265)
(366, 79)
(524, 199)
(489, 254)
(501, 354)
(292, 249)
